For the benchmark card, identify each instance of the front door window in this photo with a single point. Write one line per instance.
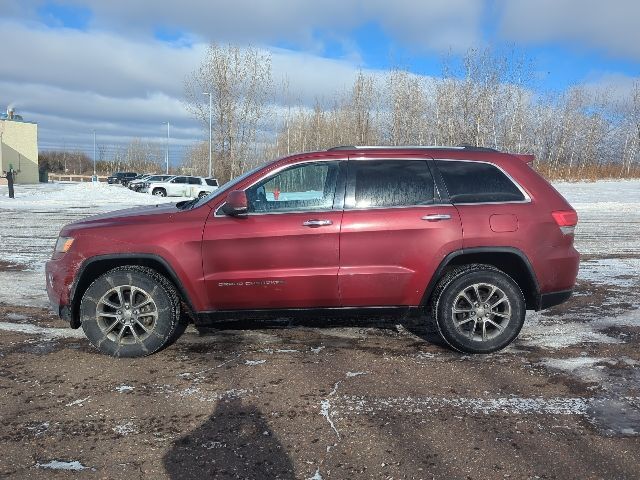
(306, 187)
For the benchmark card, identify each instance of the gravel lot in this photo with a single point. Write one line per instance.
(322, 400)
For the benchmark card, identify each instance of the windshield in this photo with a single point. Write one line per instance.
(227, 186)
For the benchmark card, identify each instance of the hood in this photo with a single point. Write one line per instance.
(129, 215)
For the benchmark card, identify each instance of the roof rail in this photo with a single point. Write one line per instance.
(412, 147)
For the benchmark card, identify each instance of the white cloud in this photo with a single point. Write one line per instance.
(434, 25)
(611, 26)
(612, 87)
(72, 82)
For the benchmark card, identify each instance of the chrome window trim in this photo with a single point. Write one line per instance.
(275, 172)
(527, 197)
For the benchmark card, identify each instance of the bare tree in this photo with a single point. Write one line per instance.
(239, 81)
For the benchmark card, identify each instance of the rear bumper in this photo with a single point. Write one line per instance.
(551, 299)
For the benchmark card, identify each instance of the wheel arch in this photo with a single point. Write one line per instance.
(93, 267)
(511, 261)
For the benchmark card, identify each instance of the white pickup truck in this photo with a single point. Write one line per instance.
(182, 186)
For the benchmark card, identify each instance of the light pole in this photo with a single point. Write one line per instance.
(94, 153)
(210, 161)
(166, 155)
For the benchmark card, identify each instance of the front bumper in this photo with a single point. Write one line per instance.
(60, 274)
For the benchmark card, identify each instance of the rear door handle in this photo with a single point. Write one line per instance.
(317, 223)
(436, 217)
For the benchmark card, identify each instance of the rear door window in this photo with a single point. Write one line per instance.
(390, 183)
(477, 182)
(193, 180)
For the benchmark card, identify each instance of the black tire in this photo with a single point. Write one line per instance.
(202, 194)
(463, 330)
(160, 192)
(158, 324)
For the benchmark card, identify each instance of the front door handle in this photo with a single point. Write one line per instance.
(317, 223)
(437, 217)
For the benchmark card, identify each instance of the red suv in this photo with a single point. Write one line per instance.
(471, 236)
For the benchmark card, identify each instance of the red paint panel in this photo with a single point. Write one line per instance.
(271, 261)
(387, 256)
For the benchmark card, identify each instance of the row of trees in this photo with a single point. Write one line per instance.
(485, 100)
(137, 156)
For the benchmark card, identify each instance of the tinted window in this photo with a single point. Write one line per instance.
(310, 186)
(179, 180)
(392, 183)
(475, 182)
(211, 182)
(194, 180)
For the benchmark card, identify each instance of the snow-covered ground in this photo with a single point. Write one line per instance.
(29, 226)
(609, 216)
(609, 225)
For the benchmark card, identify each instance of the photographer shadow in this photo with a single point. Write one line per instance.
(235, 442)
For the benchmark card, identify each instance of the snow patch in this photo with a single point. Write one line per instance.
(211, 445)
(254, 362)
(74, 465)
(124, 388)
(316, 475)
(46, 332)
(560, 332)
(618, 272)
(79, 402)
(581, 367)
(325, 411)
(511, 405)
(125, 429)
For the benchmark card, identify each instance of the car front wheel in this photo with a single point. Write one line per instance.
(131, 311)
(159, 192)
(478, 308)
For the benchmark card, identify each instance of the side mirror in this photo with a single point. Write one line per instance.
(236, 204)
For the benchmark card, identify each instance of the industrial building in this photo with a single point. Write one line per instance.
(19, 147)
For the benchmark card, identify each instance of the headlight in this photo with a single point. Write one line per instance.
(63, 244)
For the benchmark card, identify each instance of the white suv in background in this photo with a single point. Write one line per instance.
(137, 185)
(182, 186)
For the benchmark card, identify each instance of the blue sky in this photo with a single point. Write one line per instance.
(119, 66)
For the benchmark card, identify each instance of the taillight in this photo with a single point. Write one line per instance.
(566, 220)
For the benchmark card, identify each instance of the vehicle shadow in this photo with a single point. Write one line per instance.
(235, 442)
(422, 326)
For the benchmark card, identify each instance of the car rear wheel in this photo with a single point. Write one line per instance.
(131, 311)
(159, 192)
(478, 309)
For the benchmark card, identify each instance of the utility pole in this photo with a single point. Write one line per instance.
(166, 155)
(210, 157)
(94, 154)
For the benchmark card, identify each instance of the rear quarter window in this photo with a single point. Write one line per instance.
(477, 182)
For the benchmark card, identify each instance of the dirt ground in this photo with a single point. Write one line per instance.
(322, 400)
